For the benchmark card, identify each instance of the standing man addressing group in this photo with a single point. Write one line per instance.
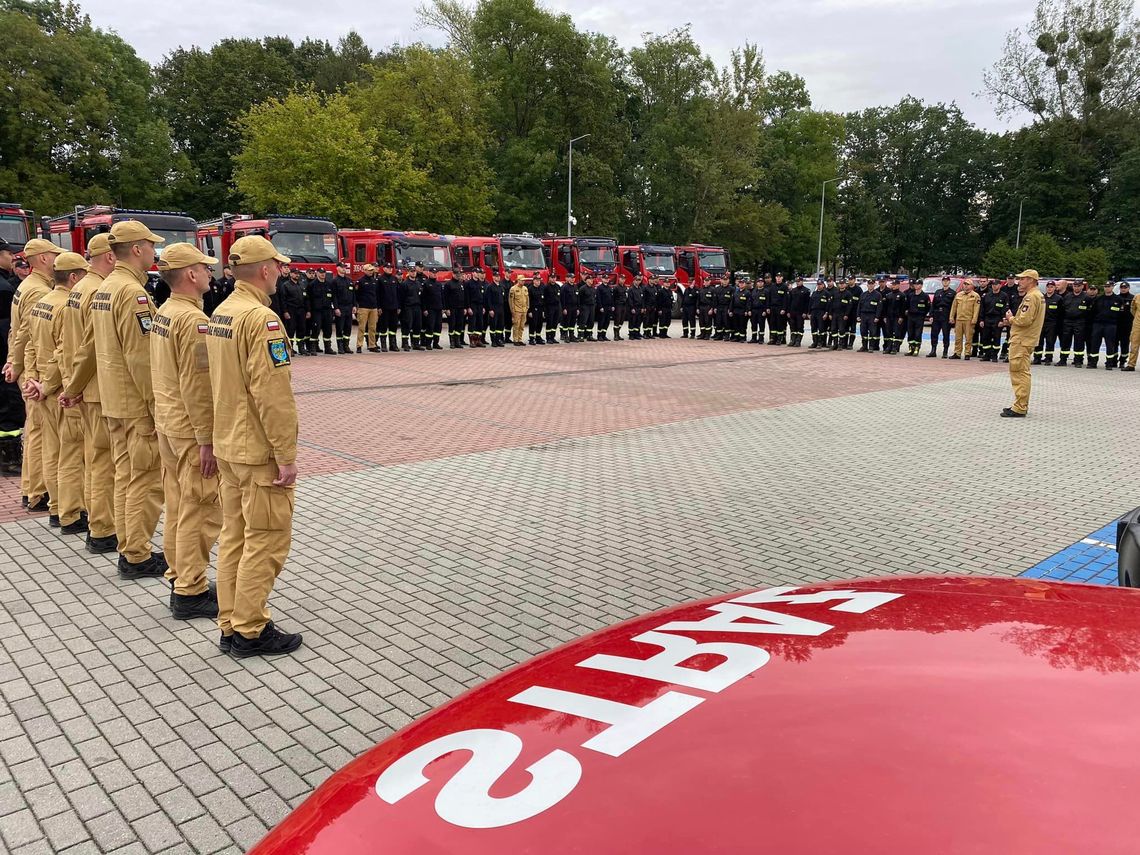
(184, 419)
(255, 443)
(121, 319)
(1024, 332)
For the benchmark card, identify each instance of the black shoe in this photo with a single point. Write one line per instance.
(271, 642)
(436, 346)
(225, 643)
(203, 605)
(407, 349)
(539, 341)
(1128, 368)
(23, 501)
(102, 545)
(147, 568)
(77, 527)
(42, 505)
(1037, 360)
(415, 347)
(53, 519)
(931, 355)
(1008, 413)
(375, 350)
(955, 356)
(518, 344)
(965, 358)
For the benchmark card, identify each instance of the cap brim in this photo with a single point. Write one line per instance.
(284, 259)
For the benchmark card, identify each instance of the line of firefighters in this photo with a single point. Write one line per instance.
(408, 313)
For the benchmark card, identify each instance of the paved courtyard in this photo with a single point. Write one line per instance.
(458, 512)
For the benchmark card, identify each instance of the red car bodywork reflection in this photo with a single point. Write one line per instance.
(904, 716)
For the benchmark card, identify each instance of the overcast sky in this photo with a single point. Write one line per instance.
(852, 53)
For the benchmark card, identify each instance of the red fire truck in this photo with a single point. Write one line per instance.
(702, 265)
(647, 259)
(73, 231)
(573, 257)
(17, 225)
(503, 255)
(401, 249)
(309, 241)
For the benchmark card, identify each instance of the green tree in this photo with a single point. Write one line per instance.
(1002, 260)
(1091, 264)
(1043, 253)
(337, 168)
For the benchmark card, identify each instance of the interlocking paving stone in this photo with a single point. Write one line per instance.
(458, 513)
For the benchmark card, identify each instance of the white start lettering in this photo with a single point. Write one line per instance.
(464, 799)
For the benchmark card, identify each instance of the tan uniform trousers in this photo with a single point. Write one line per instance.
(49, 450)
(256, 533)
(193, 514)
(138, 485)
(69, 463)
(32, 467)
(1019, 376)
(1134, 342)
(518, 319)
(98, 471)
(963, 337)
(366, 332)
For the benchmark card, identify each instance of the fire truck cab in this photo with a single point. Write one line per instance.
(570, 258)
(701, 265)
(401, 249)
(17, 225)
(501, 256)
(359, 247)
(309, 241)
(647, 259)
(73, 231)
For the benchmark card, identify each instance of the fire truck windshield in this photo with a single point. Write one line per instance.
(660, 263)
(173, 236)
(597, 255)
(14, 230)
(307, 247)
(713, 261)
(523, 257)
(433, 257)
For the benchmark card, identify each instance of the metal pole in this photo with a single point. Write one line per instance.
(570, 180)
(822, 197)
(1019, 210)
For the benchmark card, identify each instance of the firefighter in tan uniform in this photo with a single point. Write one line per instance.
(184, 420)
(1024, 333)
(121, 319)
(1134, 339)
(964, 317)
(78, 339)
(41, 258)
(255, 441)
(519, 297)
(62, 450)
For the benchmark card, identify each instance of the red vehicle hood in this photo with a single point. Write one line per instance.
(912, 715)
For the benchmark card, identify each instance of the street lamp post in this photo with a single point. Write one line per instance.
(570, 179)
(822, 198)
(1020, 208)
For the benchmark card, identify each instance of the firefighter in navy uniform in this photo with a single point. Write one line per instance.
(739, 310)
(587, 304)
(1075, 324)
(322, 307)
(411, 311)
(536, 311)
(552, 306)
(664, 310)
(758, 312)
(778, 311)
(432, 291)
(636, 305)
(839, 316)
(917, 308)
(706, 310)
(294, 299)
(344, 295)
(476, 320)
(1106, 312)
(455, 301)
(821, 304)
(568, 295)
(389, 321)
(940, 305)
(723, 305)
(1124, 323)
(368, 312)
(621, 307)
(1054, 300)
(902, 307)
(852, 314)
(995, 303)
(649, 308)
(799, 305)
(869, 303)
(604, 301)
(689, 313)
(493, 309)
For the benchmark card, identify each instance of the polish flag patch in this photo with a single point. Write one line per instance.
(141, 300)
(272, 325)
(203, 328)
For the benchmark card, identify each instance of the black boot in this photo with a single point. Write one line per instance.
(203, 605)
(11, 454)
(271, 642)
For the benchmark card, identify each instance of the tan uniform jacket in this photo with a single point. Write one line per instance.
(180, 370)
(28, 293)
(121, 319)
(79, 335)
(45, 327)
(1135, 307)
(1027, 322)
(255, 415)
(520, 299)
(965, 307)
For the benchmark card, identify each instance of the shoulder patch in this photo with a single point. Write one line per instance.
(145, 322)
(278, 352)
(272, 325)
(203, 328)
(141, 299)
(1025, 308)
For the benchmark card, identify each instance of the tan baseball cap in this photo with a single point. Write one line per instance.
(129, 231)
(98, 245)
(68, 261)
(369, 268)
(254, 248)
(1028, 274)
(179, 255)
(38, 246)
